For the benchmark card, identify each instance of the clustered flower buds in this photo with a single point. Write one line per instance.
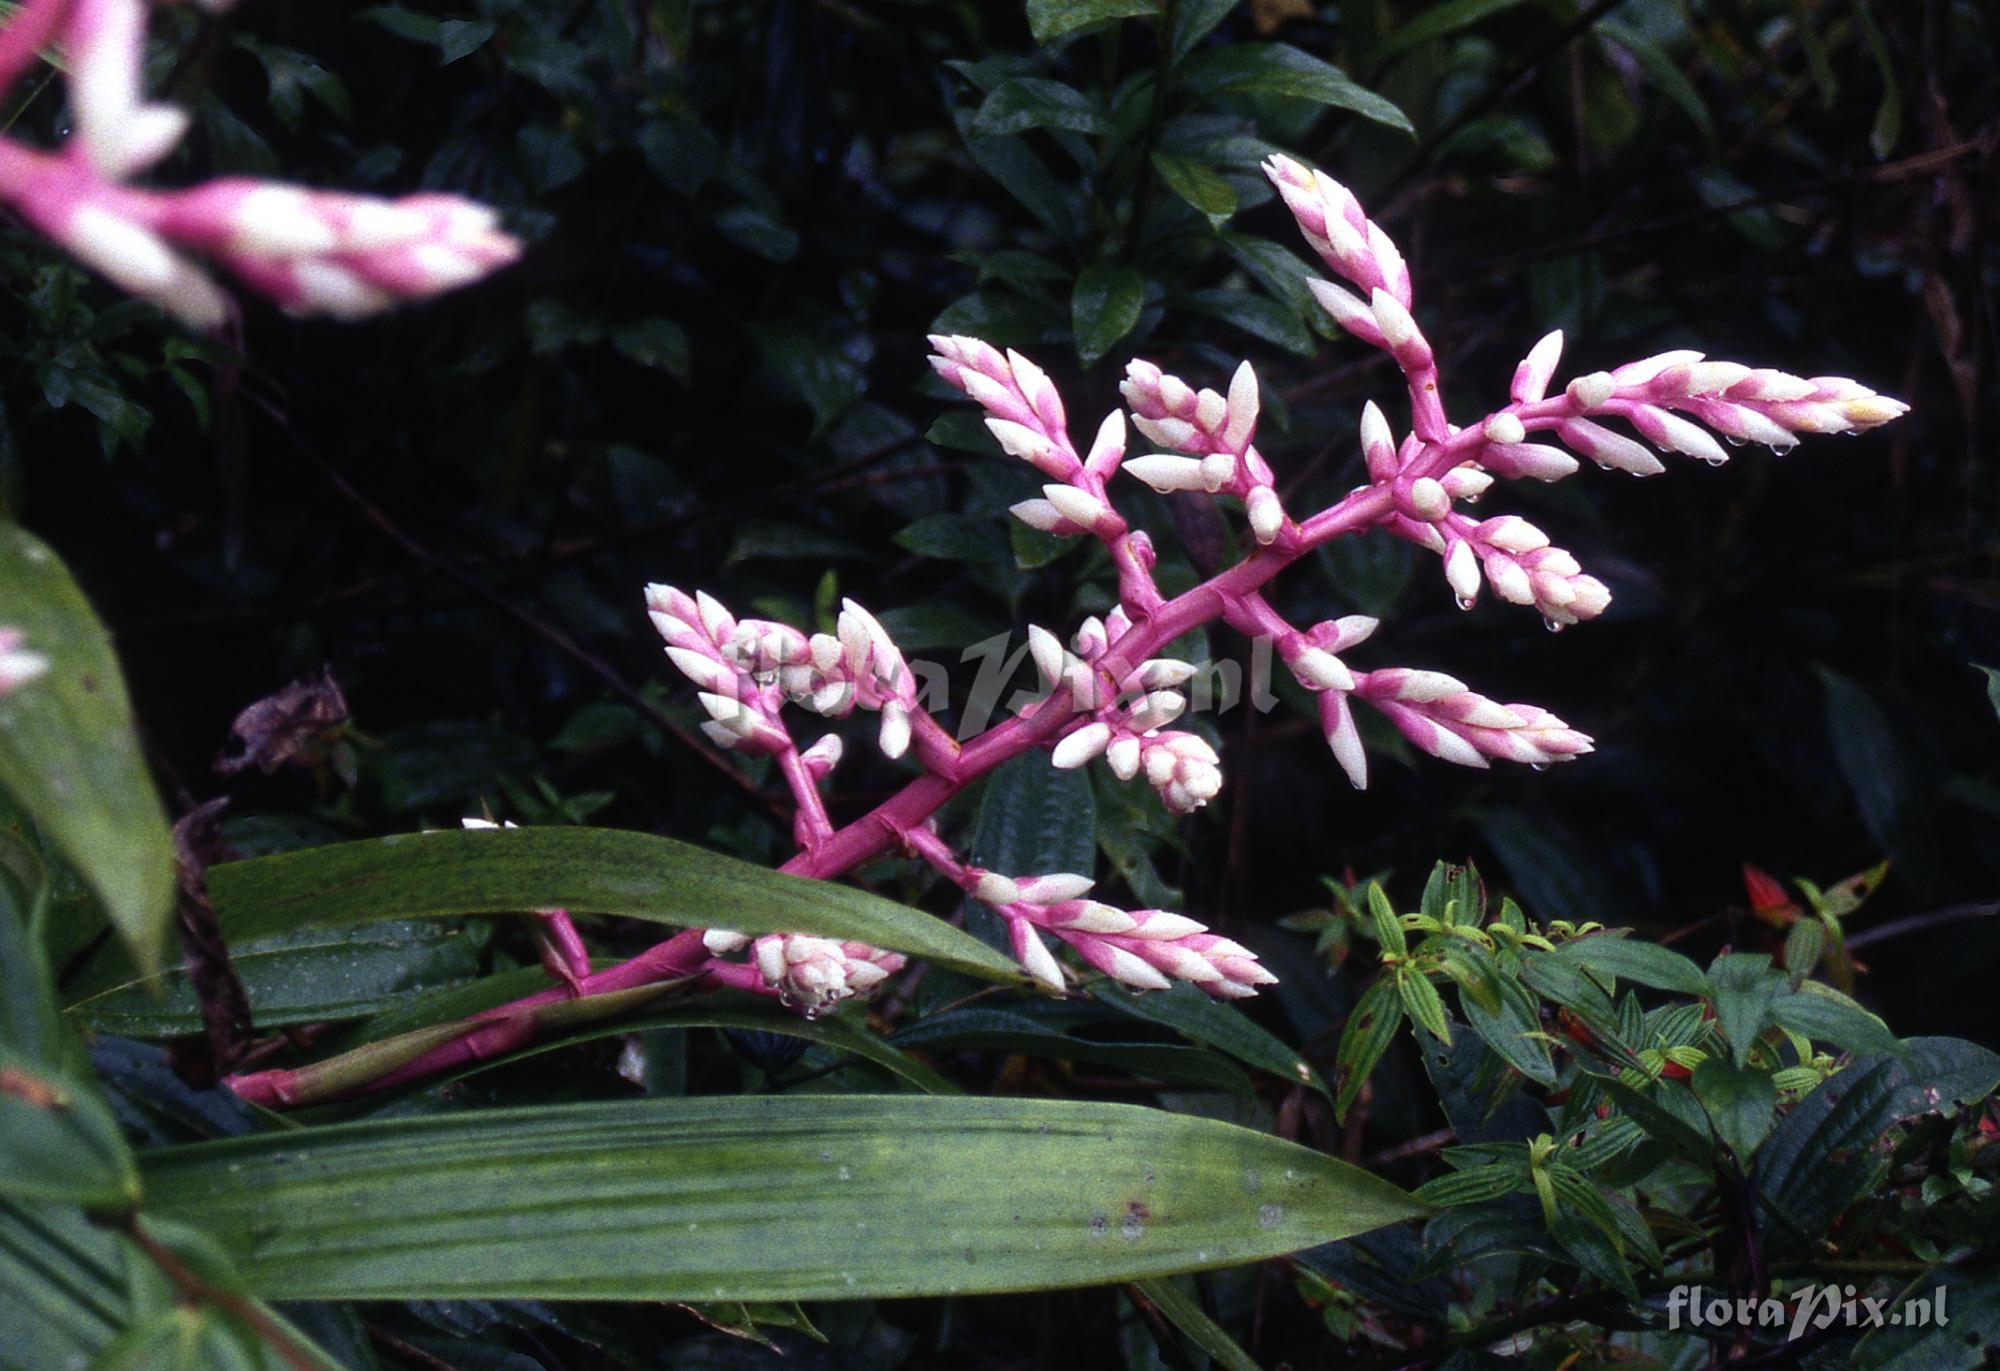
(18, 665)
(1110, 695)
(313, 252)
(811, 974)
(1113, 693)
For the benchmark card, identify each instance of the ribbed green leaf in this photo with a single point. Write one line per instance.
(815, 1197)
(1204, 1019)
(1184, 1312)
(69, 754)
(584, 870)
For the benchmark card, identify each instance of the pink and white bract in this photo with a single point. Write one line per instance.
(313, 252)
(1111, 697)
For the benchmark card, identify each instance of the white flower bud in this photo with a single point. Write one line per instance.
(1094, 916)
(1243, 407)
(1590, 392)
(1134, 971)
(823, 756)
(895, 734)
(1038, 961)
(1218, 469)
(703, 670)
(1466, 483)
(1461, 572)
(1710, 378)
(1108, 449)
(1509, 581)
(1210, 411)
(721, 941)
(1321, 670)
(1057, 887)
(1167, 473)
(1348, 310)
(1512, 533)
(1505, 428)
(1050, 659)
(1531, 378)
(1174, 433)
(1077, 506)
(993, 888)
(1267, 516)
(1399, 330)
(1079, 747)
(1421, 687)
(1037, 514)
(1428, 500)
(1123, 755)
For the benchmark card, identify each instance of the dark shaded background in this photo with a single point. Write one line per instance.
(708, 370)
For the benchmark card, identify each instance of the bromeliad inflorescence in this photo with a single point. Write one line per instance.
(313, 252)
(1111, 696)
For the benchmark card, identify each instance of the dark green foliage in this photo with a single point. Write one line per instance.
(742, 219)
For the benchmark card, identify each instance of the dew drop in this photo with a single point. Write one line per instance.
(1733, 440)
(1715, 461)
(1553, 625)
(1270, 1215)
(1465, 601)
(844, 1174)
(1538, 766)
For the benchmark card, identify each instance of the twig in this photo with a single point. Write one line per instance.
(547, 632)
(1917, 923)
(241, 1308)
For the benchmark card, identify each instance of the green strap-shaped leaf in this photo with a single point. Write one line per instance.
(805, 1197)
(69, 754)
(584, 870)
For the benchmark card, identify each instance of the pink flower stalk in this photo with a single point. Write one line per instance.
(18, 666)
(1111, 694)
(313, 252)
(563, 954)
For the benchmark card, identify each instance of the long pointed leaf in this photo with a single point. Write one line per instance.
(70, 756)
(584, 870)
(759, 1199)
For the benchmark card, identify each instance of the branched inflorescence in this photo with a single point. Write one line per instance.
(1111, 696)
(313, 252)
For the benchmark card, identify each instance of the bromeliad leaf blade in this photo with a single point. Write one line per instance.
(69, 754)
(584, 870)
(759, 1198)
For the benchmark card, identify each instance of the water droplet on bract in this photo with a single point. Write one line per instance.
(1733, 440)
(1780, 449)
(1715, 461)
(1538, 766)
(1270, 1215)
(1604, 466)
(1553, 625)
